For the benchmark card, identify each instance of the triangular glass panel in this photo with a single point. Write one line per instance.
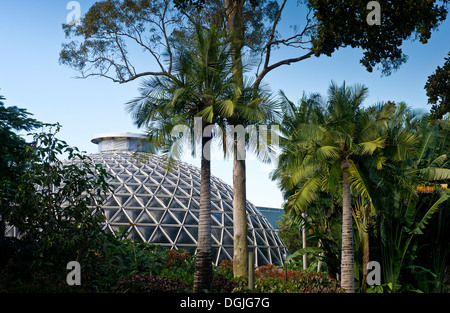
(159, 237)
(168, 219)
(179, 215)
(227, 206)
(143, 199)
(184, 238)
(133, 203)
(180, 192)
(164, 200)
(157, 214)
(111, 202)
(133, 214)
(195, 213)
(216, 219)
(196, 192)
(227, 238)
(183, 201)
(228, 221)
(170, 189)
(109, 213)
(216, 235)
(161, 192)
(122, 190)
(133, 187)
(193, 231)
(133, 180)
(270, 238)
(154, 204)
(194, 205)
(134, 234)
(144, 218)
(157, 179)
(146, 231)
(175, 205)
(123, 177)
(261, 257)
(172, 232)
(215, 206)
(259, 239)
(120, 218)
(142, 190)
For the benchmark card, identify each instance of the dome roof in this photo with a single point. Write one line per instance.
(162, 207)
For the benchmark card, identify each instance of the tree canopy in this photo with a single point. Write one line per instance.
(438, 90)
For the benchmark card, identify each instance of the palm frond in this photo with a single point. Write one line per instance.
(305, 194)
(369, 147)
(434, 173)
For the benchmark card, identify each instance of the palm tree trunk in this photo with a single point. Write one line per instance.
(305, 256)
(365, 260)
(347, 258)
(203, 263)
(240, 251)
(319, 264)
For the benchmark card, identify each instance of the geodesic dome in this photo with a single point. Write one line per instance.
(162, 207)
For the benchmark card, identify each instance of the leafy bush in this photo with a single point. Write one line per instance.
(177, 258)
(272, 279)
(225, 268)
(146, 283)
(221, 283)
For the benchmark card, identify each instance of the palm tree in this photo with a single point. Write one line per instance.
(200, 93)
(415, 156)
(253, 108)
(322, 153)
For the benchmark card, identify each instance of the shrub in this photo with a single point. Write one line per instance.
(221, 283)
(148, 284)
(272, 279)
(177, 258)
(225, 268)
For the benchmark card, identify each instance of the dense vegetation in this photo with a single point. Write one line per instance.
(392, 164)
(367, 183)
(50, 202)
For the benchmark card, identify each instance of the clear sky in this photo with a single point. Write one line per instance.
(31, 77)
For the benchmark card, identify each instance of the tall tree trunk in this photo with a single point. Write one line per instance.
(319, 264)
(203, 263)
(365, 259)
(240, 253)
(305, 256)
(347, 258)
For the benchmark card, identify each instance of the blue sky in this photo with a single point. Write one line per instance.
(31, 78)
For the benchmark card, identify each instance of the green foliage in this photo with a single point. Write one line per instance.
(438, 90)
(398, 154)
(225, 268)
(13, 149)
(56, 210)
(150, 284)
(343, 23)
(56, 204)
(271, 279)
(220, 283)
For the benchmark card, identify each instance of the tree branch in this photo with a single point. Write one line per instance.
(267, 69)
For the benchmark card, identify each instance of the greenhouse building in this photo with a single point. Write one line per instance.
(162, 207)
